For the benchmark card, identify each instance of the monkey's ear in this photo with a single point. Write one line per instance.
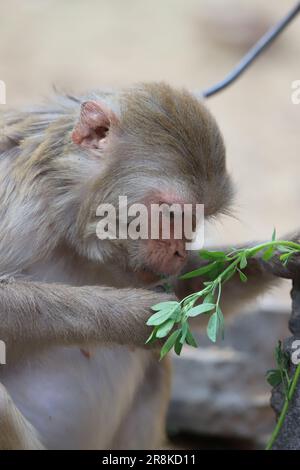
(93, 126)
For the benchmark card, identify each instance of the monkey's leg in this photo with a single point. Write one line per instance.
(144, 425)
(33, 314)
(16, 433)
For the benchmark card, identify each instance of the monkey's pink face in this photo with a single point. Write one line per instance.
(164, 252)
(165, 257)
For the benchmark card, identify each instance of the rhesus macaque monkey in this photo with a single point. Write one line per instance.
(73, 308)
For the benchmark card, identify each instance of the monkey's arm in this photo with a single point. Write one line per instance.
(36, 314)
(261, 276)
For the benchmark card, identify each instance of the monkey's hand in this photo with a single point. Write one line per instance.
(139, 303)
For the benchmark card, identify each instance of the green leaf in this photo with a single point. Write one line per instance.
(184, 331)
(178, 314)
(199, 272)
(178, 346)
(229, 274)
(221, 321)
(274, 235)
(212, 255)
(243, 276)
(255, 250)
(152, 336)
(216, 270)
(278, 352)
(164, 305)
(160, 317)
(286, 261)
(286, 361)
(203, 308)
(281, 357)
(243, 262)
(213, 327)
(165, 329)
(274, 377)
(190, 340)
(268, 254)
(285, 257)
(285, 249)
(169, 343)
(209, 299)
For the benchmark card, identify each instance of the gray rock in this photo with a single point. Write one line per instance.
(289, 436)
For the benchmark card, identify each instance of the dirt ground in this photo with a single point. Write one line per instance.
(81, 45)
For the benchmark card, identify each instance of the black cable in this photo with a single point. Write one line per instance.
(253, 53)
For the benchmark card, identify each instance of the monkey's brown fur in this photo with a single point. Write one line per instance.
(63, 289)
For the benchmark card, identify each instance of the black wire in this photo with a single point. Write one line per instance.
(253, 53)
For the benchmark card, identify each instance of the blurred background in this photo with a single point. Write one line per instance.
(81, 45)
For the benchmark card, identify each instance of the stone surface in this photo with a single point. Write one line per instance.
(221, 390)
(289, 437)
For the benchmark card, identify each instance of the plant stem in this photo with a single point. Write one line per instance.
(284, 410)
(260, 247)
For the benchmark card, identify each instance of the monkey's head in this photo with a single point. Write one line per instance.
(158, 146)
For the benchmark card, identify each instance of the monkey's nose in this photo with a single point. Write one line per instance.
(179, 251)
(178, 254)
